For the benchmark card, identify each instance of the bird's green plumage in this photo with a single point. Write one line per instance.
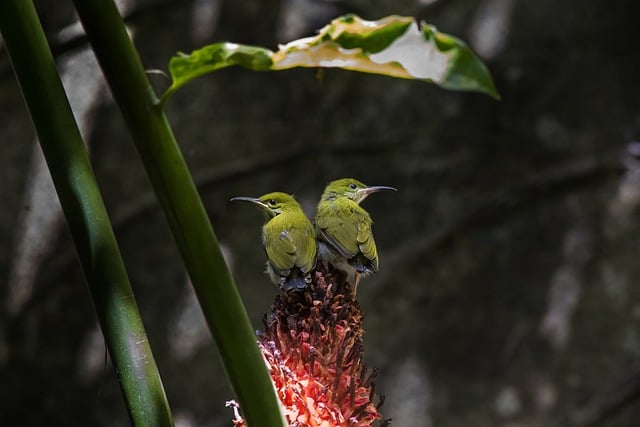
(289, 241)
(345, 227)
(288, 238)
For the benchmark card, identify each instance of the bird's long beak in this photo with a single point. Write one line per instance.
(249, 199)
(369, 190)
(364, 192)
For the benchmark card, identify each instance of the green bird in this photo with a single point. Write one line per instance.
(288, 239)
(343, 229)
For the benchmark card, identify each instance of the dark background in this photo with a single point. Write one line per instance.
(509, 290)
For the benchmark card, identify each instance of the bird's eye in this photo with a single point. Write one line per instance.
(353, 186)
(272, 202)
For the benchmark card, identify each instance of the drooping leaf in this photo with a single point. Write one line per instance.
(184, 68)
(466, 70)
(395, 46)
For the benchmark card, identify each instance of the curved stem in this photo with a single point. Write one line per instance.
(85, 213)
(178, 197)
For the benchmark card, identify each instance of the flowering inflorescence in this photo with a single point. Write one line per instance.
(312, 345)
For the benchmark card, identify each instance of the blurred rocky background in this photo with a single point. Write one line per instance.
(509, 290)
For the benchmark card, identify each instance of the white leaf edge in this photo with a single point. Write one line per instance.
(409, 56)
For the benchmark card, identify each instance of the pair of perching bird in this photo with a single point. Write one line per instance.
(342, 236)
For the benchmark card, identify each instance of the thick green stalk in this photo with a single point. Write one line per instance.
(85, 213)
(174, 187)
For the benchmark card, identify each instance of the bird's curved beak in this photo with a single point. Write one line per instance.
(364, 192)
(249, 199)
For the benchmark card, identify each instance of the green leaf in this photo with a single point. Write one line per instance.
(394, 46)
(467, 71)
(370, 36)
(184, 68)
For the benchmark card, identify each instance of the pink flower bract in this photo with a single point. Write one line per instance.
(312, 345)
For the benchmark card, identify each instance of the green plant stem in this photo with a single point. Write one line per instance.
(178, 197)
(85, 213)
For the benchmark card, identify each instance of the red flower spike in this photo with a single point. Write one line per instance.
(312, 345)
